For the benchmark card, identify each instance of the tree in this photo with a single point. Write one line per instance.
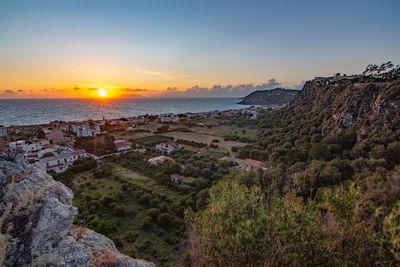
(386, 70)
(47, 155)
(102, 225)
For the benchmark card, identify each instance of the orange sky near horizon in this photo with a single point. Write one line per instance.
(37, 82)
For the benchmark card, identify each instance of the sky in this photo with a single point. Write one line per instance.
(69, 48)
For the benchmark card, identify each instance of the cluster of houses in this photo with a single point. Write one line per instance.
(62, 162)
(52, 157)
(337, 78)
(166, 149)
(52, 145)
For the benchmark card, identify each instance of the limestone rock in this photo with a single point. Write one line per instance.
(36, 220)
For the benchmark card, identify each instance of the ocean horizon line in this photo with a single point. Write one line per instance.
(121, 98)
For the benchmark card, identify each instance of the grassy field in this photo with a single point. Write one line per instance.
(151, 140)
(205, 137)
(224, 131)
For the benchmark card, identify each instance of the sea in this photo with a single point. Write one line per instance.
(39, 111)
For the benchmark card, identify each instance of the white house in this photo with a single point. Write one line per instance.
(29, 148)
(61, 162)
(156, 161)
(17, 145)
(96, 130)
(122, 145)
(166, 118)
(253, 165)
(83, 131)
(167, 147)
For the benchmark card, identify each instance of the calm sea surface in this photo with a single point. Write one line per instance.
(35, 111)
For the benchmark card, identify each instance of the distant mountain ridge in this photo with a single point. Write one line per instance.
(276, 96)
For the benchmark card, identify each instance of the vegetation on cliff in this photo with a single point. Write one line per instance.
(332, 193)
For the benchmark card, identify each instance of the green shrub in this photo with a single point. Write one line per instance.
(153, 214)
(164, 219)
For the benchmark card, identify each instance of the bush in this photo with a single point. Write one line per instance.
(119, 211)
(47, 155)
(153, 214)
(391, 226)
(131, 237)
(164, 207)
(146, 223)
(145, 198)
(164, 219)
(102, 225)
(239, 226)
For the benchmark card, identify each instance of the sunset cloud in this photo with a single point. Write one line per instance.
(164, 75)
(133, 90)
(221, 91)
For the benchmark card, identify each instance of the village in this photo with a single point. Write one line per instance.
(57, 145)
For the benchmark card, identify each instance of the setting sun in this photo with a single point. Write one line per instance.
(102, 92)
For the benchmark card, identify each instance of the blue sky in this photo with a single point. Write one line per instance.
(160, 44)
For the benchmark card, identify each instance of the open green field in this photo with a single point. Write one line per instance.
(205, 137)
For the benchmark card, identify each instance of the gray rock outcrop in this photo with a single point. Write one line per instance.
(36, 220)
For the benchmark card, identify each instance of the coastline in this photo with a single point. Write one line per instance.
(244, 107)
(42, 112)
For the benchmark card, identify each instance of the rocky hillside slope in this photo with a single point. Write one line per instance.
(364, 108)
(277, 96)
(36, 220)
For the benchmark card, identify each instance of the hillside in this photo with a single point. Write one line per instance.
(274, 97)
(331, 193)
(37, 224)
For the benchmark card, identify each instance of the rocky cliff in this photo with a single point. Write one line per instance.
(36, 220)
(364, 108)
(277, 96)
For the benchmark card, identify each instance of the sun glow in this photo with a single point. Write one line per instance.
(102, 92)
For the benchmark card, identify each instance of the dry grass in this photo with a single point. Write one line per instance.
(202, 137)
(105, 259)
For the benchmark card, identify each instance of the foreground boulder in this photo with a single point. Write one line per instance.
(36, 220)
